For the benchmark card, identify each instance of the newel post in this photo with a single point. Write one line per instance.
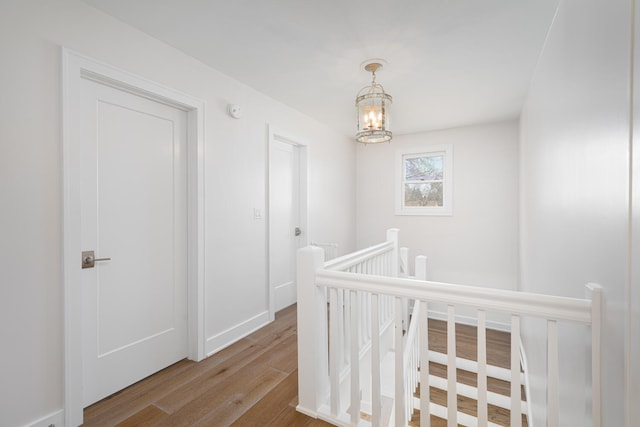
(313, 363)
(421, 267)
(392, 236)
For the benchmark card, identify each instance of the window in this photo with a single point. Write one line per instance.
(424, 181)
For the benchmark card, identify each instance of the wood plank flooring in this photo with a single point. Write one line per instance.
(498, 344)
(251, 383)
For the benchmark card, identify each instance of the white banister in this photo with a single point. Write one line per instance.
(347, 325)
(404, 262)
(399, 366)
(355, 360)
(376, 401)
(313, 374)
(357, 258)
(421, 267)
(392, 236)
(425, 395)
(482, 370)
(353, 314)
(452, 395)
(411, 362)
(499, 300)
(334, 352)
(553, 394)
(516, 393)
(595, 292)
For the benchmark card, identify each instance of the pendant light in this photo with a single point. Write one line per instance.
(373, 106)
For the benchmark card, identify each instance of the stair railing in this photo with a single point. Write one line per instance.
(332, 390)
(333, 342)
(411, 351)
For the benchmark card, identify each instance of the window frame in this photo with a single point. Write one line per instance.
(447, 180)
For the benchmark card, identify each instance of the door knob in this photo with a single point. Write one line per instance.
(298, 231)
(89, 259)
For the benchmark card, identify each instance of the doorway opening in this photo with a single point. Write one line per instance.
(287, 180)
(77, 70)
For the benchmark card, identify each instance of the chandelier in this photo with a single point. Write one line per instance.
(373, 105)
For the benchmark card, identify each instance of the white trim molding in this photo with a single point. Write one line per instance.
(75, 68)
(442, 150)
(236, 333)
(276, 134)
(54, 419)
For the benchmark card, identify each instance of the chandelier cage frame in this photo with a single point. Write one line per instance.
(373, 106)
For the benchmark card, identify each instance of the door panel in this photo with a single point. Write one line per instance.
(284, 215)
(133, 210)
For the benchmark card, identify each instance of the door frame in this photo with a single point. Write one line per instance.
(276, 134)
(75, 68)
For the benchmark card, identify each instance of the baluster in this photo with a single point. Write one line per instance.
(421, 267)
(347, 327)
(368, 330)
(362, 322)
(366, 303)
(425, 398)
(516, 410)
(414, 374)
(404, 262)
(376, 402)
(392, 235)
(482, 370)
(595, 292)
(385, 262)
(355, 360)
(552, 374)
(334, 352)
(399, 356)
(452, 387)
(388, 307)
(341, 326)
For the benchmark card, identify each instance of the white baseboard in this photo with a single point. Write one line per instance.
(285, 295)
(55, 419)
(471, 321)
(235, 333)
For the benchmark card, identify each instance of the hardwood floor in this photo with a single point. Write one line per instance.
(251, 383)
(254, 383)
(498, 344)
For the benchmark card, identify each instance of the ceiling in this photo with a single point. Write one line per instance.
(449, 62)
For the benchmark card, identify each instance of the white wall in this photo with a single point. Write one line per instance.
(633, 374)
(31, 329)
(478, 244)
(574, 191)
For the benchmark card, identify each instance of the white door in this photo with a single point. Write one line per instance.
(133, 211)
(284, 221)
